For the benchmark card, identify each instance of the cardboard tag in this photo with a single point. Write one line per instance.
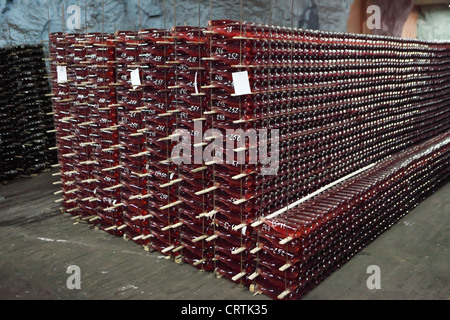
(62, 74)
(135, 78)
(241, 83)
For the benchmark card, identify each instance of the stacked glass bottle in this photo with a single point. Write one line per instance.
(302, 246)
(64, 98)
(79, 66)
(8, 150)
(133, 177)
(158, 125)
(26, 112)
(101, 102)
(234, 195)
(339, 101)
(188, 50)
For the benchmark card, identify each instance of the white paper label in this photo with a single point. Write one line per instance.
(135, 78)
(62, 74)
(241, 83)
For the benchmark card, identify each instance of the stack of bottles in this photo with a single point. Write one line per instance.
(321, 106)
(302, 246)
(26, 112)
(339, 101)
(80, 66)
(188, 50)
(63, 116)
(99, 192)
(133, 149)
(159, 192)
(8, 166)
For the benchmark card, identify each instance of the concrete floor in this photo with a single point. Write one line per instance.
(38, 243)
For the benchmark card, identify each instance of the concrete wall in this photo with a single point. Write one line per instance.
(434, 22)
(28, 21)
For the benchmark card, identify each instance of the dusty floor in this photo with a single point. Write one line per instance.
(38, 243)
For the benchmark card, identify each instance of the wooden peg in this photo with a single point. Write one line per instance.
(240, 121)
(208, 87)
(89, 181)
(238, 202)
(200, 238)
(178, 249)
(257, 223)
(141, 154)
(238, 276)
(88, 162)
(286, 240)
(173, 204)
(239, 250)
(167, 249)
(196, 263)
(202, 144)
(111, 169)
(137, 134)
(240, 176)
(199, 193)
(285, 267)
(169, 137)
(238, 227)
(254, 275)
(213, 237)
(255, 250)
(71, 191)
(171, 183)
(283, 294)
(86, 123)
(176, 225)
(211, 213)
(114, 187)
(69, 155)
